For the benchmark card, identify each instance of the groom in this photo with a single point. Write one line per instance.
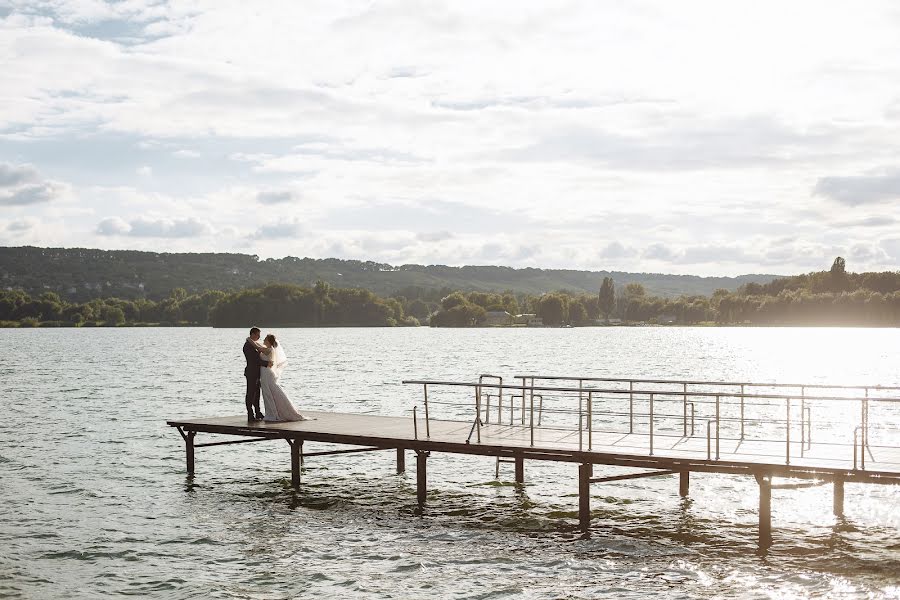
(251, 372)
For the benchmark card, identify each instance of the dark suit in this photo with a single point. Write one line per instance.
(251, 372)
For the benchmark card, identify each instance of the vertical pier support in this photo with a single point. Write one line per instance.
(839, 497)
(765, 511)
(296, 447)
(401, 460)
(520, 469)
(684, 483)
(584, 496)
(421, 476)
(189, 452)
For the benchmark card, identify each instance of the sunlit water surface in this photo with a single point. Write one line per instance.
(94, 501)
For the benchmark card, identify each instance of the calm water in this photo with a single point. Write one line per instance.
(94, 500)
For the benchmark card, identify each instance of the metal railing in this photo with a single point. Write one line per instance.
(739, 412)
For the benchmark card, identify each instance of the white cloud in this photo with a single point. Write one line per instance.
(155, 228)
(574, 135)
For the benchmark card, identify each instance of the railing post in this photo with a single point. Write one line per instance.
(684, 409)
(478, 413)
(742, 412)
(500, 402)
(415, 425)
(862, 433)
(855, 433)
(717, 427)
(427, 426)
(692, 419)
(531, 413)
(866, 418)
(651, 424)
(523, 400)
(802, 421)
(787, 449)
(630, 407)
(590, 419)
(708, 439)
(580, 421)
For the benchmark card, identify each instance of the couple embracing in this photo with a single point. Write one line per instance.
(265, 364)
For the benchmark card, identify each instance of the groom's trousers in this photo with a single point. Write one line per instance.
(252, 397)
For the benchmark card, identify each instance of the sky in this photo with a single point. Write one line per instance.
(708, 138)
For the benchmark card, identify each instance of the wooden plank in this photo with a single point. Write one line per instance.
(621, 449)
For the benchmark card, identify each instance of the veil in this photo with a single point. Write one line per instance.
(280, 360)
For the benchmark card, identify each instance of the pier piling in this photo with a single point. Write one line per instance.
(421, 476)
(584, 496)
(839, 497)
(401, 460)
(296, 447)
(765, 511)
(520, 469)
(684, 483)
(189, 451)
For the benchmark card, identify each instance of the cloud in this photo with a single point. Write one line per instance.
(434, 236)
(14, 175)
(21, 225)
(280, 230)
(31, 194)
(855, 190)
(276, 197)
(154, 228)
(659, 252)
(22, 185)
(145, 171)
(615, 250)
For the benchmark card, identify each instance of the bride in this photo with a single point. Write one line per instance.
(277, 404)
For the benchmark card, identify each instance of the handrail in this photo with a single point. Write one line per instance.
(700, 382)
(651, 423)
(655, 392)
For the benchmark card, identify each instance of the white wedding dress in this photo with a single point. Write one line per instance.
(277, 405)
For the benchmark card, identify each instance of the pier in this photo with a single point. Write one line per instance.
(804, 434)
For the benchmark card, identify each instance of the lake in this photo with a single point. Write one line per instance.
(94, 500)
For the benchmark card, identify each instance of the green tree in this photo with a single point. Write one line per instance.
(607, 297)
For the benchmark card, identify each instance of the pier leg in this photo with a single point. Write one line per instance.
(584, 497)
(421, 475)
(684, 483)
(765, 511)
(401, 460)
(296, 446)
(520, 469)
(839, 497)
(189, 451)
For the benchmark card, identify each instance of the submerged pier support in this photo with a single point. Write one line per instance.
(838, 497)
(684, 483)
(584, 496)
(401, 460)
(421, 475)
(520, 469)
(765, 510)
(296, 459)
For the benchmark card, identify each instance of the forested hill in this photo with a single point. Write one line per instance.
(79, 274)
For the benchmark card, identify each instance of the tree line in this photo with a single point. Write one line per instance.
(834, 297)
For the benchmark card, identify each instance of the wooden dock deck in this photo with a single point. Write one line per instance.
(517, 443)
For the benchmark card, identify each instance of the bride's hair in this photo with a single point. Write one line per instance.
(271, 338)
